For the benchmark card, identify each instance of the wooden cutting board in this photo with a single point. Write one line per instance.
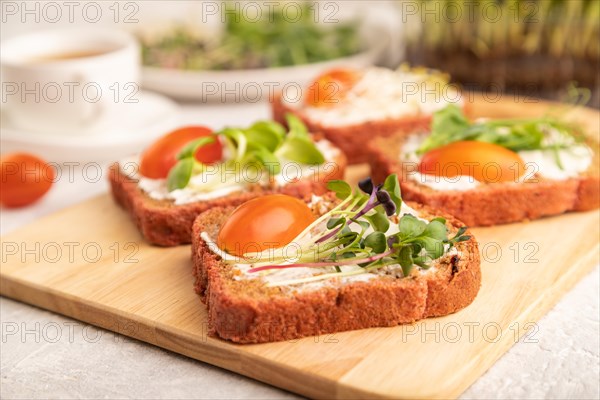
(88, 262)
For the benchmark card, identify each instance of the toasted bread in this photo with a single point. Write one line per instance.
(351, 139)
(489, 204)
(163, 223)
(248, 311)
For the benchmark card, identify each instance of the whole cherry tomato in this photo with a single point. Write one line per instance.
(25, 179)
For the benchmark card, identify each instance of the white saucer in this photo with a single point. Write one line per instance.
(125, 133)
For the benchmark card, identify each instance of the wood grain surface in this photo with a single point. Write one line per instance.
(89, 262)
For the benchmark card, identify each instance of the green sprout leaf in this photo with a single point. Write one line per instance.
(459, 236)
(422, 261)
(411, 226)
(301, 150)
(347, 235)
(341, 188)
(190, 149)
(296, 126)
(267, 134)
(376, 241)
(379, 222)
(335, 222)
(363, 224)
(179, 176)
(405, 259)
(448, 125)
(437, 230)
(347, 254)
(450, 119)
(266, 159)
(433, 247)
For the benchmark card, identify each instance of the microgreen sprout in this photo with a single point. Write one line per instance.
(365, 229)
(545, 133)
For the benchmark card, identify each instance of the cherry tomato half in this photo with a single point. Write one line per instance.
(267, 222)
(486, 162)
(332, 86)
(25, 179)
(158, 159)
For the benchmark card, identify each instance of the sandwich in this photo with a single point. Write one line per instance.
(350, 107)
(278, 268)
(492, 172)
(193, 169)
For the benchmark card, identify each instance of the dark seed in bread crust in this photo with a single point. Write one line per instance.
(492, 204)
(245, 311)
(163, 223)
(351, 139)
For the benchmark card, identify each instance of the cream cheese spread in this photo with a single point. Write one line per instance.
(573, 161)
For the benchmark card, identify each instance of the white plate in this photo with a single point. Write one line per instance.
(127, 132)
(251, 85)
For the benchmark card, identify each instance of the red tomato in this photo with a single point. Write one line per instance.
(25, 179)
(267, 222)
(486, 162)
(330, 87)
(161, 156)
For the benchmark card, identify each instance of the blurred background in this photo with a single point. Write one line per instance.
(217, 63)
(536, 48)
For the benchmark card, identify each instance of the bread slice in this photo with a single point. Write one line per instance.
(351, 139)
(247, 311)
(491, 204)
(163, 223)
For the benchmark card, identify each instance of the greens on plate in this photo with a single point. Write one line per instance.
(278, 37)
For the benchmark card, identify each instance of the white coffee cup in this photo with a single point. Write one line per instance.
(68, 80)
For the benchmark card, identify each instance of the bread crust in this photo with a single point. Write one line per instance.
(163, 223)
(492, 204)
(351, 139)
(237, 313)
